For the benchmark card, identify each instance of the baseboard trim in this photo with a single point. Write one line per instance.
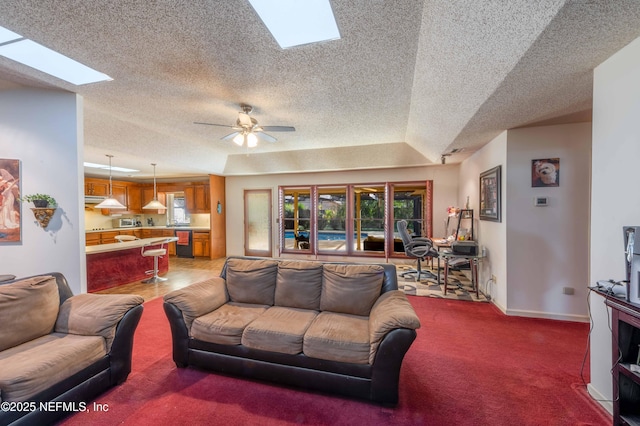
(545, 315)
(600, 399)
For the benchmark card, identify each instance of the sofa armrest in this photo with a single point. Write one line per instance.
(199, 299)
(95, 314)
(391, 311)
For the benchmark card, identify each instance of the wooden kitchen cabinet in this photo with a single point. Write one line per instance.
(108, 237)
(201, 244)
(96, 187)
(92, 238)
(134, 199)
(196, 199)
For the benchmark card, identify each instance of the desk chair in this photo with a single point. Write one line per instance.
(418, 248)
(121, 238)
(155, 253)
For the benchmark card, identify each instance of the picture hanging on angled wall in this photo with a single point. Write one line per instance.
(9, 201)
(545, 172)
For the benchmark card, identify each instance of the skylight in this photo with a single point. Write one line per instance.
(295, 22)
(17, 48)
(106, 167)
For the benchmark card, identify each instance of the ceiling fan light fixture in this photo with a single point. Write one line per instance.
(238, 139)
(252, 140)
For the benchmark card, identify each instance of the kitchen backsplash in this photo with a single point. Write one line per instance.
(96, 220)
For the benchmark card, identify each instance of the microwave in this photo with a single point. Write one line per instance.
(124, 222)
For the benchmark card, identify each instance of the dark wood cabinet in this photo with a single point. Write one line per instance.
(625, 326)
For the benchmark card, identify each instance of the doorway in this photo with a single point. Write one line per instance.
(257, 222)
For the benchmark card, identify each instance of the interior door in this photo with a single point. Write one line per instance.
(257, 222)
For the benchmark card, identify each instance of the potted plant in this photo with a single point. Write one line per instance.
(40, 200)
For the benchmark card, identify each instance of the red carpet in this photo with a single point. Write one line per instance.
(470, 365)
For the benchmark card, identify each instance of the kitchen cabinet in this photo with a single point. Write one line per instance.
(134, 199)
(201, 244)
(108, 237)
(96, 187)
(92, 239)
(196, 199)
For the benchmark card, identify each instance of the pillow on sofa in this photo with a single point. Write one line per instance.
(251, 280)
(350, 289)
(298, 284)
(28, 310)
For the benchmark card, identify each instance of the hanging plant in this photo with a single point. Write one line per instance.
(40, 200)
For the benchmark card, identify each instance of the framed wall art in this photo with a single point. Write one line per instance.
(10, 222)
(490, 195)
(545, 172)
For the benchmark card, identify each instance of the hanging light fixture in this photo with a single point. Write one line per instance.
(110, 202)
(154, 204)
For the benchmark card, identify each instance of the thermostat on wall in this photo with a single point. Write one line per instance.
(540, 201)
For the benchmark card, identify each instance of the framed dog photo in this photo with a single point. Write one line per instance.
(545, 172)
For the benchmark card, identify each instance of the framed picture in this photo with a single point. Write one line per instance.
(490, 195)
(545, 172)
(10, 223)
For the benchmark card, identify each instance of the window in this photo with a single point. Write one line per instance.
(357, 219)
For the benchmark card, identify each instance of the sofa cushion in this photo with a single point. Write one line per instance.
(350, 289)
(95, 314)
(299, 284)
(251, 280)
(198, 299)
(338, 337)
(279, 329)
(226, 324)
(34, 366)
(28, 310)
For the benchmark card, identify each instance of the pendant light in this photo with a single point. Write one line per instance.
(154, 204)
(110, 202)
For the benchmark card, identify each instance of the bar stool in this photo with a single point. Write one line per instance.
(121, 238)
(155, 253)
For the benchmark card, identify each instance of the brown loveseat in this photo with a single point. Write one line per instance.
(335, 327)
(58, 351)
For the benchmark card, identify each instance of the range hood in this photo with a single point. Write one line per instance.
(93, 199)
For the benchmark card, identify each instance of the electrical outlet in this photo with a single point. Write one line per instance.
(568, 290)
(494, 279)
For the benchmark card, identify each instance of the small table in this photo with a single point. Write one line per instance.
(474, 260)
(439, 244)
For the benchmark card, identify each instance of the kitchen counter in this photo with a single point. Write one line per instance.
(125, 245)
(132, 228)
(113, 264)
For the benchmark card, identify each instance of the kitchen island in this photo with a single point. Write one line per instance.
(113, 264)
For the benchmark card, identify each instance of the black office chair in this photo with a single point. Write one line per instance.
(418, 248)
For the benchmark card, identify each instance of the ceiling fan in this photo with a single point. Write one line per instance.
(247, 130)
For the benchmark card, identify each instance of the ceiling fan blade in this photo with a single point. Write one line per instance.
(230, 136)
(265, 137)
(212, 124)
(279, 128)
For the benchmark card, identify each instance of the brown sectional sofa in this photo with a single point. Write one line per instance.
(335, 327)
(59, 348)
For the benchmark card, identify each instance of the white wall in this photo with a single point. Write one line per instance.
(43, 129)
(614, 195)
(548, 247)
(490, 235)
(445, 186)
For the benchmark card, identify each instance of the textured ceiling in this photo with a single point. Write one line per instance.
(408, 81)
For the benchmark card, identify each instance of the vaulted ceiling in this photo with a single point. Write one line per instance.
(408, 81)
